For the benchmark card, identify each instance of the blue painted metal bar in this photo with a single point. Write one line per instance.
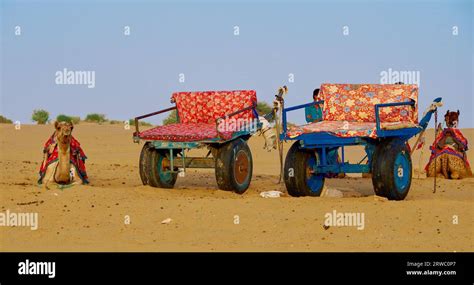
(255, 113)
(284, 128)
(426, 119)
(342, 168)
(369, 150)
(405, 133)
(327, 139)
(323, 156)
(285, 110)
(342, 155)
(302, 106)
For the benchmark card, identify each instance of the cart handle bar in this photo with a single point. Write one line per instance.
(149, 115)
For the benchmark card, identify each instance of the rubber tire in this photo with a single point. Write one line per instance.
(154, 170)
(225, 163)
(143, 162)
(383, 169)
(297, 159)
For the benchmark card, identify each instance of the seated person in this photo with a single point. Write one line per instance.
(314, 113)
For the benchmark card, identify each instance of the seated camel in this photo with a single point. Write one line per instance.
(449, 166)
(448, 152)
(64, 160)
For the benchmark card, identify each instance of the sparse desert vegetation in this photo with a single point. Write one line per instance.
(171, 119)
(40, 116)
(96, 118)
(4, 120)
(65, 118)
(140, 123)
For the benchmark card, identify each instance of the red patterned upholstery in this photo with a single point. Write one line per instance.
(183, 132)
(349, 109)
(356, 102)
(206, 107)
(346, 129)
(198, 112)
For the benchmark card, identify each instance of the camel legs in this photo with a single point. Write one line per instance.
(75, 179)
(449, 167)
(432, 171)
(48, 178)
(49, 175)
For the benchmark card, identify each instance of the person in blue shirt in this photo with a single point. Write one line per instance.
(314, 113)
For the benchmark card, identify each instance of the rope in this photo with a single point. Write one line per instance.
(278, 105)
(419, 163)
(278, 115)
(420, 141)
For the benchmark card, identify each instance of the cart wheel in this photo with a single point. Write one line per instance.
(392, 170)
(234, 166)
(299, 179)
(143, 163)
(158, 170)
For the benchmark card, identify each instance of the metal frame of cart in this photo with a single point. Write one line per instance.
(162, 160)
(388, 156)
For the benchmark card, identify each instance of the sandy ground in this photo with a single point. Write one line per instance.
(92, 218)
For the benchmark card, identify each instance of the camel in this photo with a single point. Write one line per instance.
(449, 166)
(452, 119)
(57, 153)
(449, 151)
(268, 134)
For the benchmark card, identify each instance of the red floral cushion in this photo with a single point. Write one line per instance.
(184, 132)
(345, 129)
(207, 106)
(356, 102)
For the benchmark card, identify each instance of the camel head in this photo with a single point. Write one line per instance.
(63, 131)
(452, 119)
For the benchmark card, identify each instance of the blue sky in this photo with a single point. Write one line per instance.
(136, 74)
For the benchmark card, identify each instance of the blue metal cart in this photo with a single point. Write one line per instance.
(313, 155)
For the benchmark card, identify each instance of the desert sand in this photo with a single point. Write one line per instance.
(93, 217)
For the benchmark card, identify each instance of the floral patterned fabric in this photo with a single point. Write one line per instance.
(184, 132)
(344, 129)
(207, 106)
(349, 109)
(455, 134)
(356, 102)
(198, 112)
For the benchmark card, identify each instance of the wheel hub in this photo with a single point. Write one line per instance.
(165, 164)
(402, 169)
(241, 167)
(314, 181)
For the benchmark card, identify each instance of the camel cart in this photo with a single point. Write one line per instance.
(221, 121)
(380, 117)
